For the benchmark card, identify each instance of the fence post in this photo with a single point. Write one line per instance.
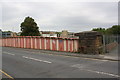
(104, 48)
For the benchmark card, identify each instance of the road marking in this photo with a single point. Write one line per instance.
(36, 59)
(9, 53)
(100, 72)
(81, 67)
(6, 74)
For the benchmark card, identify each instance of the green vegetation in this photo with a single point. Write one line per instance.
(29, 27)
(102, 30)
(115, 29)
(7, 31)
(58, 34)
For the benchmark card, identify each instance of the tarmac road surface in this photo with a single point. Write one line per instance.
(28, 63)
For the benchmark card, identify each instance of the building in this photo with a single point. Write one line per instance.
(19, 33)
(13, 34)
(64, 33)
(48, 33)
(67, 34)
(8, 34)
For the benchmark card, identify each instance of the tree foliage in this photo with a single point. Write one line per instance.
(115, 29)
(102, 30)
(29, 27)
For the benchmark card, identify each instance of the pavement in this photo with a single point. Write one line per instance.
(30, 63)
(112, 55)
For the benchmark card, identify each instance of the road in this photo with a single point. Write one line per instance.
(29, 63)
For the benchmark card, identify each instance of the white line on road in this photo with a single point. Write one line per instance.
(9, 53)
(37, 59)
(98, 72)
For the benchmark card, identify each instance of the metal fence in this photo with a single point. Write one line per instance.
(110, 42)
(45, 43)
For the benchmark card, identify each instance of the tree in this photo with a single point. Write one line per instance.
(29, 27)
(58, 34)
(102, 30)
(115, 29)
(7, 31)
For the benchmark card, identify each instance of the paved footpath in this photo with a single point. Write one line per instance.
(113, 55)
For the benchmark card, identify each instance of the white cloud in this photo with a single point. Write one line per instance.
(73, 16)
(59, 0)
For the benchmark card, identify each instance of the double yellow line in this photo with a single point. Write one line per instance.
(7, 75)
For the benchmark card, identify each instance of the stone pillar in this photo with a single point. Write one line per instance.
(90, 42)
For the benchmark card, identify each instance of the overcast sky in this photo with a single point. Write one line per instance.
(58, 16)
